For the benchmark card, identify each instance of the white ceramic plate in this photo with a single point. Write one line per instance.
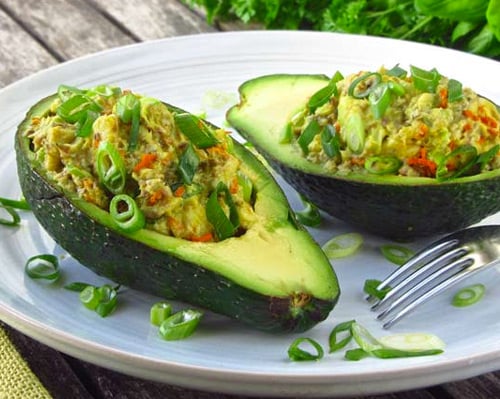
(223, 355)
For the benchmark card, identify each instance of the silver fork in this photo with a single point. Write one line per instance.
(435, 268)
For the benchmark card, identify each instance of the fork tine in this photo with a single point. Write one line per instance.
(425, 286)
(416, 276)
(419, 258)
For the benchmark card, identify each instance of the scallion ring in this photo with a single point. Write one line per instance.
(382, 165)
(309, 216)
(65, 92)
(308, 134)
(43, 266)
(128, 109)
(397, 254)
(455, 92)
(75, 108)
(362, 86)
(331, 143)
(14, 220)
(297, 354)
(371, 287)
(126, 213)
(16, 204)
(188, 164)
(110, 167)
(425, 80)
(180, 325)
(224, 226)
(196, 130)
(343, 245)
(342, 328)
(159, 312)
(468, 295)
(380, 98)
(102, 299)
(84, 127)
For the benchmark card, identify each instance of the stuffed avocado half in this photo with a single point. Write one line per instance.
(402, 154)
(159, 200)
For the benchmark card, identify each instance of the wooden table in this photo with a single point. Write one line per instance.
(35, 34)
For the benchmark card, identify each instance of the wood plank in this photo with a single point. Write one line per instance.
(159, 19)
(70, 28)
(485, 386)
(21, 54)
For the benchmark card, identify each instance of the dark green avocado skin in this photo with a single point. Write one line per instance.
(399, 212)
(143, 268)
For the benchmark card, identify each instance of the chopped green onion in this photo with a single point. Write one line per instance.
(75, 108)
(246, 186)
(455, 92)
(323, 95)
(354, 132)
(397, 71)
(356, 354)
(331, 143)
(15, 219)
(84, 126)
(371, 288)
(188, 163)
(484, 158)
(44, 266)
(104, 91)
(76, 286)
(297, 354)
(309, 216)
(195, 130)
(224, 226)
(425, 80)
(102, 299)
(287, 135)
(364, 338)
(336, 344)
(343, 245)
(457, 162)
(396, 88)
(307, 136)
(380, 98)
(468, 295)
(128, 109)
(362, 86)
(65, 92)
(110, 167)
(159, 312)
(180, 325)
(396, 253)
(382, 165)
(412, 342)
(126, 213)
(16, 204)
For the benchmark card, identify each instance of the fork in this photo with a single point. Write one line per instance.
(435, 268)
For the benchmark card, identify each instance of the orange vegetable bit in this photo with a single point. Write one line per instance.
(425, 167)
(145, 162)
(179, 191)
(207, 237)
(155, 197)
(443, 98)
(233, 187)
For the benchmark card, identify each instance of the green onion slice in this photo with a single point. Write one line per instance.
(188, 164)
(343, 245)
(412, 342)
(484, 158)
(425, 80)
(371, 288)
(159, 312)
(396, 253)
(380, 98)
(345, 328)
(102, 299)
(455, 92)
(14, 220)
(287, 135)
(76, 286)
(196, 130)
(457, 162)
(356, 354)
(224, 226)
(307, 136)
(43, 266)
(180, 325)
(16, 204)
(84, 126)
(246, 186)
(354, 132)
(128, 109)
(330, 142)
(110, 167)
(126, 213)
(297, 354)
(364, 338)
(75, 108)
(309, 216)
(65, 92)
(468, 295)
(382, 165)
(362, 86)
(397, 71)
(323, 95)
